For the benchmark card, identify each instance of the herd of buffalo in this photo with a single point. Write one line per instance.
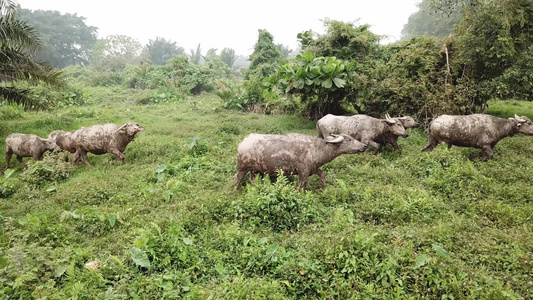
(266, 154)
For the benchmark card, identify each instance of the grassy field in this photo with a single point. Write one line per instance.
(167, 223)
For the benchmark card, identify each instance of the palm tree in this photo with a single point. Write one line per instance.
(18, 42)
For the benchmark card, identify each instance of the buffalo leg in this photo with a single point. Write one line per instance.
(394, 144)
(322, 177)
(118, 154)
(19, 158)
(8, 158)
(487, 152)
(238, 177)
(432, 142)
(81, 155)
(252, 177)
(302, 182)
(373, 144)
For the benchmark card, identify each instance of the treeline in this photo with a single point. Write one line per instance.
(477, 50)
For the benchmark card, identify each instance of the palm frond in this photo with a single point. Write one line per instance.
(17, 95)
(18, 33)
(17, 65)
(7, 7)
(18, 41)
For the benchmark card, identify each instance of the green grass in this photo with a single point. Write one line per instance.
(508, 108)
(167, 223)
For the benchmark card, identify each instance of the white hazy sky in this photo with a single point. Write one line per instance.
(229, 23)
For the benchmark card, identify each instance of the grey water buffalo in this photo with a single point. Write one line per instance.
(64, 140)
(477, 131)
(27, 145)
(391, 138)
(292, 153)
(368, 130)
(101, 139)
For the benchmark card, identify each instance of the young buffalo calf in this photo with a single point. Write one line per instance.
(27, 145)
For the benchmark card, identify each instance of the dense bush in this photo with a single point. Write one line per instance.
(276, 205)
(52, 168)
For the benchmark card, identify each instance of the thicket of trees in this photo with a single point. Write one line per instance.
(441, 69)
(455, 55)
(67, 39)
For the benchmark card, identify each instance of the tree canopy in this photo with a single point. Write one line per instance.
(67, 39)
(115, 52)
(161, 50)
(432, 21)
(265, 56)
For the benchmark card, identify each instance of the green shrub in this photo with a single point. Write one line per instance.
(8, 186)
(52, 168)
(197, 147)
(278, 206)
(11, 111)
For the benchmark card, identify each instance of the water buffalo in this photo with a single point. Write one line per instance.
(368, 130)
(477, 131)
(27, 145)
(292, 153)
(391, 138)
(64, 140)
(100, 139)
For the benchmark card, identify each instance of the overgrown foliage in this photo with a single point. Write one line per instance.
(167, 222)
(323, 83)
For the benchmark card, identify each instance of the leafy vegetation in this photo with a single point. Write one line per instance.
(18, 42)
(167, 223)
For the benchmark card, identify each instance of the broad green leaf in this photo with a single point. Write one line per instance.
(112, 219)
(298, 84)
(187, 241)
(330, 68)
(60, 271)
(272, 248)
(8, 173)
(23, 221)
(420, 260)
(48, 168)
(139, 257)
(440, 251)
(308, 81)
(167, 194)
(220, 269)
(33, 220)
(161, 168)
(339, 82)
(327, 83)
